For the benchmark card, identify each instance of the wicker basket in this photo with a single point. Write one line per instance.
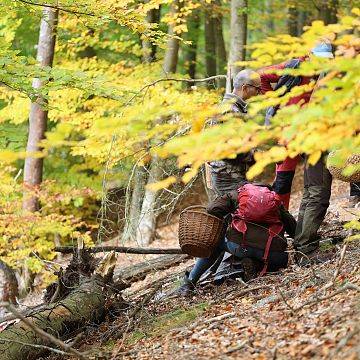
(199, 232)
(336, 172)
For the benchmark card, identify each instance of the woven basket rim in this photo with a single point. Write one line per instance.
(189, 209)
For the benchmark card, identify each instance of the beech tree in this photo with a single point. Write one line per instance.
(33, 168)
(238, 32)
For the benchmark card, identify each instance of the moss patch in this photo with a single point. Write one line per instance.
(158, 325)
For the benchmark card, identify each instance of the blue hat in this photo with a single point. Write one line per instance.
(323, 50)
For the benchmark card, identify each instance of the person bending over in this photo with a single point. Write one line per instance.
(255, 234)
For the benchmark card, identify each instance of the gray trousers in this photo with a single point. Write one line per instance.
(313, 207)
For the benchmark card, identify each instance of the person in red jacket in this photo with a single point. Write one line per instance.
(317, 178)
(286, 170)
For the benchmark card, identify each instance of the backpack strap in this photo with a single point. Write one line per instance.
(274, 230)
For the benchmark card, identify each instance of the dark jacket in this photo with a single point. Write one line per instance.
(240, 164)
(256, 234)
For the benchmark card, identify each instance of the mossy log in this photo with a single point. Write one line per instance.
(83, 305)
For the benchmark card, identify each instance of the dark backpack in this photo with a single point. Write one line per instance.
(258, 204)
(289, 82)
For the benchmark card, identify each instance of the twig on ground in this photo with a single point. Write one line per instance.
(236, 348)
(313, 301)
(286, 302)
(46, 336)
(345, 339)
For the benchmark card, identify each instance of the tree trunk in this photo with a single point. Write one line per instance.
(146, 229)
(238, 31)
(33, 168)
(210, 47)
(221, 57)
(149, 49)
(84, 304)
(8, 284)
(172, 46)
(269, 20)
(302, 21)
(292, 21)
(126, 276)
(328, 11)
(192, 35)
(132, 220)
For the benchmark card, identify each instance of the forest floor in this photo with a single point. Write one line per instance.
(298, 313)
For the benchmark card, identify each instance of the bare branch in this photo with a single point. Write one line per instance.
(121, 249)
(55, 7)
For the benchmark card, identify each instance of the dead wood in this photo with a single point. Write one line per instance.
(82, 305)
(120, 249)
(126, 276)
(8, 283)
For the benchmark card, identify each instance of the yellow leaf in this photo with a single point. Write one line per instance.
(161, 184)
(314, 157)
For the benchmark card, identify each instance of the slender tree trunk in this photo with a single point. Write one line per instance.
(270, 20)
(302, 21)
(149, 49)
(33, 168)
(221, 57)
(292, 21)
(133, 218)
(328, 11)
(238, 31)
(210, 47)
(172, 47)
(192, 35)
(147, 222)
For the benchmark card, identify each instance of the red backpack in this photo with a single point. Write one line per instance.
(258, 204)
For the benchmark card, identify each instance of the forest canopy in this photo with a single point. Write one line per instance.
(118, 95)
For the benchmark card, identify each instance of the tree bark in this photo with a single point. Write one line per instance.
(33, 168)
(8, 284)
(147, 223)
(210, 47)
(86, 303)
(149, 49)
(238, 31)
(292, 21)
(126, 276)
(172, 46)
(193, 25)
(302, 21)
(132, 220)
(270, 20)
(221, 56)
(328, 11)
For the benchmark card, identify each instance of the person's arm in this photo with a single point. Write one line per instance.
(223, 205)
(267, 77)
(289, 222)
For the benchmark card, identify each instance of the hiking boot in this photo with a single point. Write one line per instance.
(187, 288)
(250, 268)
(315, 257)
(230, 269)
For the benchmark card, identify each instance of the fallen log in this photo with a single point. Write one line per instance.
(138, 272)
(120, 249)
(84, 304)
